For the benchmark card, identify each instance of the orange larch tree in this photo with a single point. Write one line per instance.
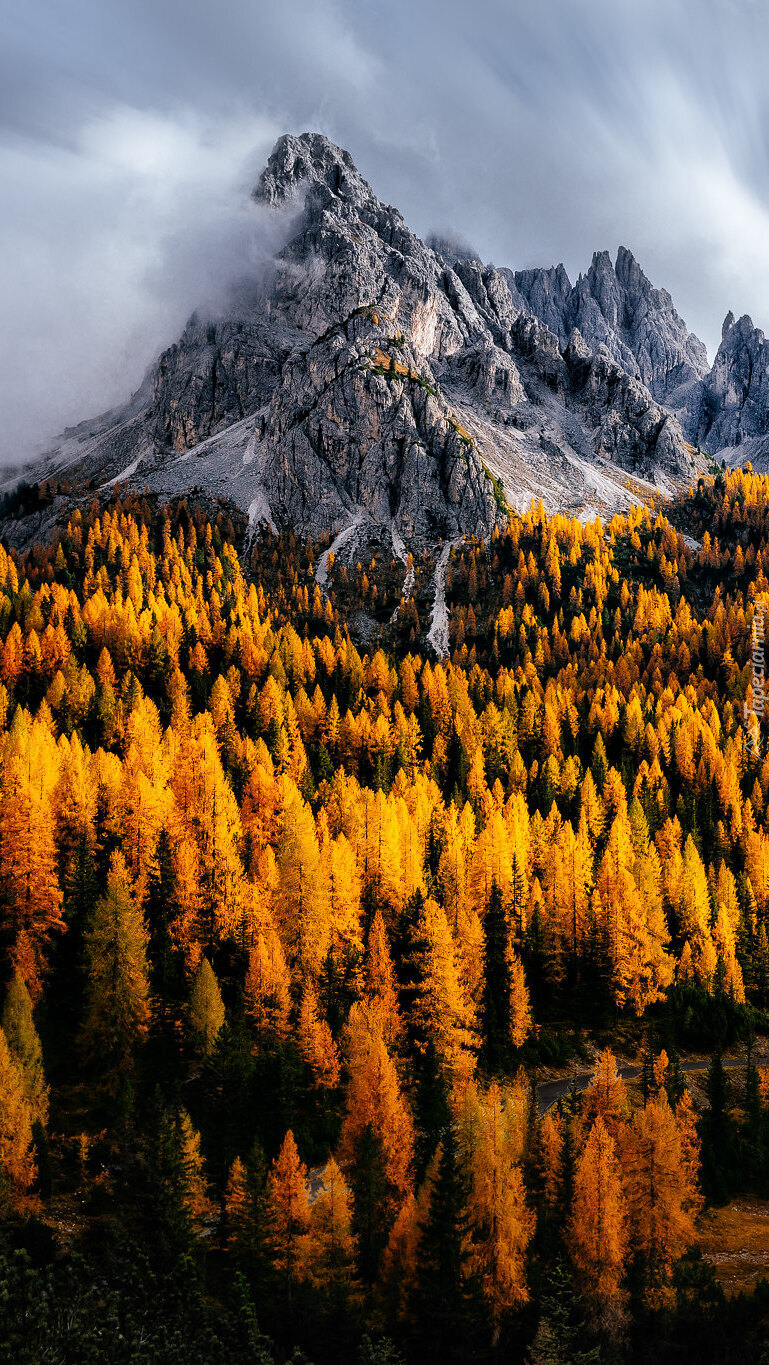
(661, 1194)
(374, 1097)
(598, 1231)
(287, 1213)
(315, 1042)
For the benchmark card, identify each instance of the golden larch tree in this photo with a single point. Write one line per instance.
(316, 1044)
(30, 895)
(598, 1229)
(118, 1009)
(327, 1250)
(236, 1206)
(374, 1097)
(339, 869)
(520, 1004)
(442, 1010)
(194, 1190)
(551, 1158)
(634, 927)
(268, 987)
(379, 982)
(606, 1097)
(661, 1195)
(399, 1267)
(206, 1009)
(502, 1222)
(17, 1161)
(300, 903)
(23, 1040)
(287, 1212)
(694, 914)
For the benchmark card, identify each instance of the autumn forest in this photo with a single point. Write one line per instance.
(298, 922)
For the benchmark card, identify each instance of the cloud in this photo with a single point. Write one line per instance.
(131, 133)
(107, 248)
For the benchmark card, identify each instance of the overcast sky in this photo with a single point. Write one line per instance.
(540, 130)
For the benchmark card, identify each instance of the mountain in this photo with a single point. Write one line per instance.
(616, 306)
(724, 410)
(733, 418)
(365, 377)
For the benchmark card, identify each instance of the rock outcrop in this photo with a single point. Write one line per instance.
(734, 408)
(633, 430)
(615, 306)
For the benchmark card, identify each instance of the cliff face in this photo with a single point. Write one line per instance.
(367, 376)
(734, 411)
(615, 306)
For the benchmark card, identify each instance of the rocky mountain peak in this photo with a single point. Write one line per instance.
(451, 248)
(629, 272)
(735, 394)
(740, 331)
(547, 294)
(614, 305)
(601, 274)
(599, 289)
(305, 160)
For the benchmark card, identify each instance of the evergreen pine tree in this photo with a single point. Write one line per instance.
(167, 1213)
(496, 983)
(761, 965)
(431, 1105)
(166, 962)
(675, 1081)
(118, 1010)
(64, 997)
(206, 1009)
(561, 1324)
(22, 1037)
(370, 1201)
(444, 1309)
(81, 891)
(717, 1133)
(647, 1064)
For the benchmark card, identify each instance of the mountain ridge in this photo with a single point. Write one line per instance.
(365, 374)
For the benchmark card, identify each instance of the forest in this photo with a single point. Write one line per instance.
(296, 918)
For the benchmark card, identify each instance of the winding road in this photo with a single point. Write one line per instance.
(549, 1092)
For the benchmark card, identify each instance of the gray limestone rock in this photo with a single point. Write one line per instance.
(547, 294)
(632, 429)
(735, 395)
(616, 306)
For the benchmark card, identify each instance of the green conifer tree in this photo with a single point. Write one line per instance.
(206, 1009)
(19, 1028)
(496, 983)
(444, 1307)
(118, 1010)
